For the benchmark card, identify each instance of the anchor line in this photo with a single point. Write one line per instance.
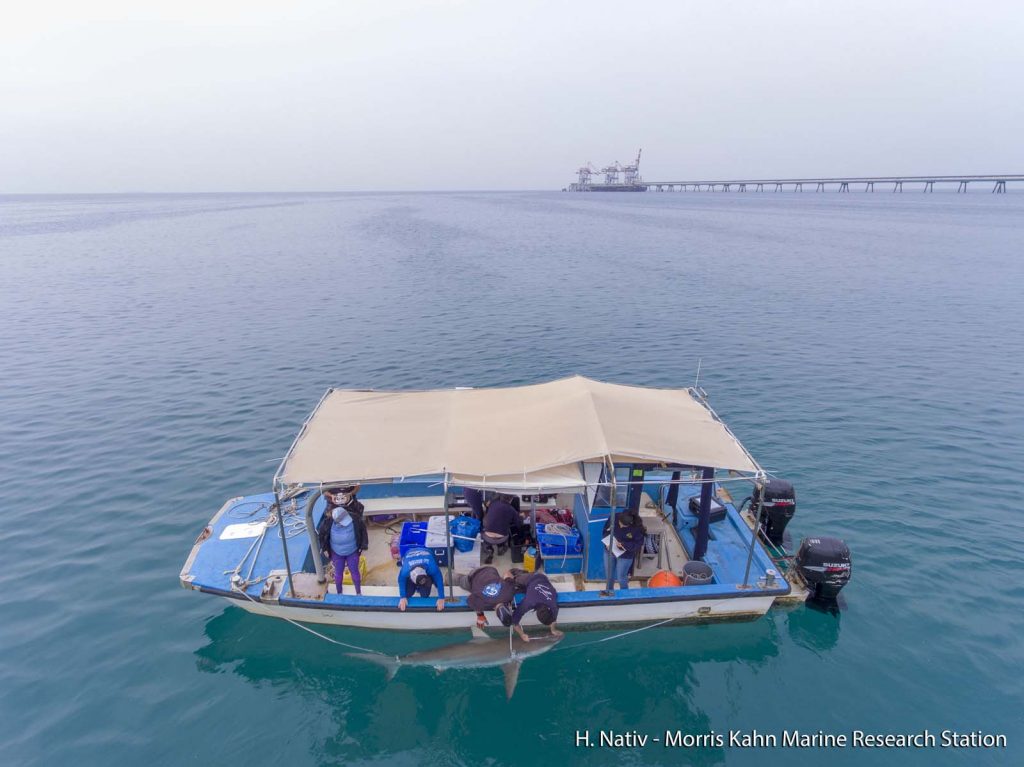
(317, 633)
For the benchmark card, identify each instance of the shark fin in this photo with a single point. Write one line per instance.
(479, 633)
(511, 670)
(389, 663)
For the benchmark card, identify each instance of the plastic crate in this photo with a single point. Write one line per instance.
(555, 544)
(414, 534)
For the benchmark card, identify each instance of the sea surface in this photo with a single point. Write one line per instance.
(159, 352)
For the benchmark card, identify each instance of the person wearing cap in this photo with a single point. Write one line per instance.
(343, 535)
(419, 567)
(487, 589)
(539, 595)
(499, 519)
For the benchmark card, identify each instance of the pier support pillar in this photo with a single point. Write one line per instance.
(999, 188)
(844, 186)
(821, 187)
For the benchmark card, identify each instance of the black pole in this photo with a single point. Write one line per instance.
(284, 542)
(700, 545)
(673, 496)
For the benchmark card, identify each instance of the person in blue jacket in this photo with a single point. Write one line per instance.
(419, 567)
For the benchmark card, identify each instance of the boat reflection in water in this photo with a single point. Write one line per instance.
(652, 681)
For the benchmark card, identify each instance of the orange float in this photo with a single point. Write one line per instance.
(664, 579)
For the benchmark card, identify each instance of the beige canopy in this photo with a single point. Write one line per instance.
(524, 437)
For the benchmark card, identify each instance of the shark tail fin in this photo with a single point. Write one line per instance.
(389, 663)
(511, 670)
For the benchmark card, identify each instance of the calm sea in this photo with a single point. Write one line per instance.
(158, 353)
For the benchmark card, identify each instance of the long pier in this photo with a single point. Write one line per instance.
(840, 183)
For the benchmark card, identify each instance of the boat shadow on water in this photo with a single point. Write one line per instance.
(646, 681)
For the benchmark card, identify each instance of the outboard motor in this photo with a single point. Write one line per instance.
(779, 507)
(824, 563)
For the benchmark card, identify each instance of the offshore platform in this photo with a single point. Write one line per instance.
(626, 178)
(629, 174)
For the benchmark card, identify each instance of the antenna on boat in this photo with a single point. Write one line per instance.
(696, 380)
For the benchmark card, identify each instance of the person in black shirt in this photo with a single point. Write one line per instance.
(487, 589)
(499, 519)
(538, 595)
(629, 534)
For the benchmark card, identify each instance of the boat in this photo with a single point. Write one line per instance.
(575, 448)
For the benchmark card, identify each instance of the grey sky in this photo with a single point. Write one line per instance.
(262, 96)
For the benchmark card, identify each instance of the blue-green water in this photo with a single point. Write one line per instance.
(159, 353)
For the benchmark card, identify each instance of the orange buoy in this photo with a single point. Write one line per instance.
(664, 579)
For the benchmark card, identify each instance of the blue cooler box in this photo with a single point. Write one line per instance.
(415, 534)
(569, 563)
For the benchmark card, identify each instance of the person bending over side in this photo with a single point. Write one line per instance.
(539, 595)
(487, 589)
(419, 568)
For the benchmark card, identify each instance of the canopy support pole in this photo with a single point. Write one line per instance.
(707, 486)
(610, 560)
(673, 497)
(314, 539)
(451, 550)
(753, 533)
(284, 540)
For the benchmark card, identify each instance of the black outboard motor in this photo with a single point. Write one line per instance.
(824, 564)
(779, 507)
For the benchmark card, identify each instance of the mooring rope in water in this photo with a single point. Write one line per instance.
(315, 633)
(615, 636)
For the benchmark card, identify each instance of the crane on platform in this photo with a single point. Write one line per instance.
(632, 172)
(585, 172)
(611, 173)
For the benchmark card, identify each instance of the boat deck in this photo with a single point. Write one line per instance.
(231, 547)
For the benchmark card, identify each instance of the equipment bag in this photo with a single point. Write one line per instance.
(464, 531)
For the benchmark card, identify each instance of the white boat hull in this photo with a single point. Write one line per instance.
(599, 615)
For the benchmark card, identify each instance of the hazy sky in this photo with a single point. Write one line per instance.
(260, 96)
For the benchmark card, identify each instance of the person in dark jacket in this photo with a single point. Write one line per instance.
(538, 595)
(475, 501)
(487, 589)
(342, 534)
(629, 535)
(419, 568)
(499, 519)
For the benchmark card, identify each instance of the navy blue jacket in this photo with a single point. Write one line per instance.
(538, 591)
(629, 531)
(500, 518)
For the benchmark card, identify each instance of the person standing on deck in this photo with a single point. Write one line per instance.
(419, 567)
(343, 535)
(629, 534)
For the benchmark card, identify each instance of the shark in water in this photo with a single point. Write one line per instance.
(479, 652)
